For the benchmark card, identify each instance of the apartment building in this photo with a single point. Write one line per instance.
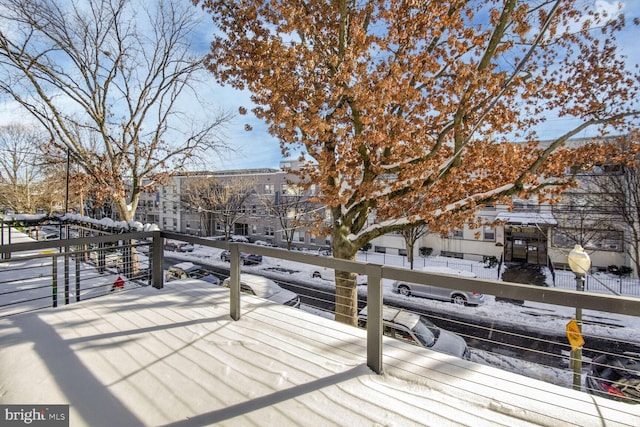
(529, 232)
(540, 233)
(258, 219)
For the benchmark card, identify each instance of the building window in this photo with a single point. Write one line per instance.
(489, 233)
(456, 234)
(606, 240)
(289, 190)
(380, 249)
(269, 189)
(450, 254)
(268, 231)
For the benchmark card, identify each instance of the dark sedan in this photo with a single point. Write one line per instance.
(245, 257)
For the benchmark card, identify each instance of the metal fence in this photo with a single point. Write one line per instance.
(65, 271)
(601, 283)
(480, 269)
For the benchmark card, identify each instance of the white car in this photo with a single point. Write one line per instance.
(440, 293)
(265, 288)
(178, 246)
(111, 258)
(186, 270)
(418, 330)
(330, 275)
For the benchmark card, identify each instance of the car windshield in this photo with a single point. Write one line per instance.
(426, 332)
(197, 274)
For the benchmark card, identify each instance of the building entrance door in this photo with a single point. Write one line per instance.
(519, 250)
(525, 244)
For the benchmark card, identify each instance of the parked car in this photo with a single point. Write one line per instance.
(178, 246)
(246, 258)
(418, 330)
(265, 243)
(263, 287)
(615, 377)
(325, 251)
(330, 274)
(49, 236)
(111, 258)
(438, 293)
(46, 233)
(189, 270)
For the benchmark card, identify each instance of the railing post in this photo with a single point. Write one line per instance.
(157, 259)
(77, 259)
(374, 317)
(54, 282)
(66, 273)
(234, 281)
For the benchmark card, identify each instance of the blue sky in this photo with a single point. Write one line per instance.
(257, 149)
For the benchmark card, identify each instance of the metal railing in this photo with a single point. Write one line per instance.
(66, 269)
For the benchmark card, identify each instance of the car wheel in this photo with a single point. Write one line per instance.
(404, 290)
(459, 299)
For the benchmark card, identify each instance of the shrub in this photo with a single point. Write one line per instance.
(424, 251)
(622, 270)
(490, 261)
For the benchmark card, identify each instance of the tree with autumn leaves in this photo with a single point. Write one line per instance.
(408, 112)
(114, 84)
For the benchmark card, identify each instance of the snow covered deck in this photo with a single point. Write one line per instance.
(174, 357)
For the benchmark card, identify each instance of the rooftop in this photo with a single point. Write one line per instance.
(174, 356)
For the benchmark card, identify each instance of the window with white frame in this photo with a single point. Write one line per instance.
(488, 233)
(456, 234)
(290, 190)
(605, 240)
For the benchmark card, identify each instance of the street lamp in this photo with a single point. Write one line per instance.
(579, 263)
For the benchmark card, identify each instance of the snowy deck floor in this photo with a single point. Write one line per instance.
(174, 357)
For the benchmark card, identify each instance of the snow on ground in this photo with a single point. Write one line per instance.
(173, 357)
(533, 315)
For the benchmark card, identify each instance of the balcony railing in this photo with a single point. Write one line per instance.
(75, 269)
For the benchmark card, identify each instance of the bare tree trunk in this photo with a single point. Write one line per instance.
(346, 286)
(410, 246)
(346, 298)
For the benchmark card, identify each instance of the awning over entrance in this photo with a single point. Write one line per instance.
(527, 218)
